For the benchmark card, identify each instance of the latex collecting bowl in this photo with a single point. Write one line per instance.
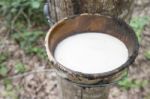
(91, 23)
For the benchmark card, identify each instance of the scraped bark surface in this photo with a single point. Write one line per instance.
(59, 9)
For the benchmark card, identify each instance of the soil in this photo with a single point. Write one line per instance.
(42, 84)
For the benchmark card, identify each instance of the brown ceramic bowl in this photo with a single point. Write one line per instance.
(91, 23)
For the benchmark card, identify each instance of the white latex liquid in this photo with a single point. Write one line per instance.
(91, 53)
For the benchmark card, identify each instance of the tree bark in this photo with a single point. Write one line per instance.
(69, 90)
(59, 9)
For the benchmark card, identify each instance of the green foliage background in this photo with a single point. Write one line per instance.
(27, 12)
(24, 20)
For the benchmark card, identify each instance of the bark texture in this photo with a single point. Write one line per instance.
(59, 9)
(69, 90)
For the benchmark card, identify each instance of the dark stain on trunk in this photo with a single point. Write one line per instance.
(76, 6)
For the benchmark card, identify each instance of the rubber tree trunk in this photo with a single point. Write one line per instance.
(59, 9)
(69, 90)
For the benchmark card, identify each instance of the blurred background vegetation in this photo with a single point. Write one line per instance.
(24, 23)
(22, 13)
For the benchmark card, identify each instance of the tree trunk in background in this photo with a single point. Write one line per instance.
(59, 9)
